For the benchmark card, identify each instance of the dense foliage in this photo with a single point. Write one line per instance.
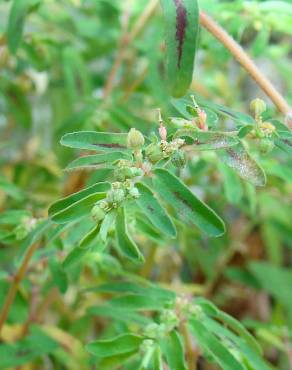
(145, 198)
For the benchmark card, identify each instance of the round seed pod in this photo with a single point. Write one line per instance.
(178, 159)
(266, 146)
(154, 153)
(97, 213)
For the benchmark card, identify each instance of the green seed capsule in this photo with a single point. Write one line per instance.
(178, 159)
(154, 153)
(266, 146)
(97, 213)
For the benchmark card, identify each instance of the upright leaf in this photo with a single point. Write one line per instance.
(173, 350)
(189, 207)
(125, 343)
(127, 246)
(18, 12)
(243, 164)
(211, 345)
(92, 140)
(153, 210)
(182, 27)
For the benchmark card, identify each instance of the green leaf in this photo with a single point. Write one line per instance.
(173, 350)
(63, 203)
(238, 328)
(92, 161)
(34, 346)
(126, 245)
(118, 314)
(181, 106)
(125, 343)
(182, 28)
(86, 241)
(243, 164)
(284, 142)
(139, 302)
(18, 12)
(208, 140)
(74, 257)
(231, 183)
(153, 210)
(78, 209)
(77, 204)
(275, 280)
(92, 140)
(209, 343)
(59, 276)
(234, 344)
(106, 224)
(190, 208)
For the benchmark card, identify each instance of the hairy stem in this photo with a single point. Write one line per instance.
(15, 284)
(190, 353)
(246, 62)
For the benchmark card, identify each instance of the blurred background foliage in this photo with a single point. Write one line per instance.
(52, 82)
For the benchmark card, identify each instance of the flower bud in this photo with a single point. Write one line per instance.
(135, 139)
(20, 232)
(178, 159)
(97, 213)
(258, 106)
(116, 196)
(154, 153)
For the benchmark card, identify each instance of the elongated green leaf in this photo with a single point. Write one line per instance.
(74, 257)
(116, 313)
(59, 276)
(148, 290)
(247, 354)
(92, 140)
(18, 12)
(86, 241)
(238, 328)
(34, 346)
(209, 343)
(243, 164)
(124, 343)
(127, 246)
(190, 208)
(106, 224)
(64, 203)
(181, 106)
(231, 183)
(173, 350)
(156, 214)
(138, 302)
(182, 27)
(208, 140)
(77, 209)
(284, 142)
(92, 161)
